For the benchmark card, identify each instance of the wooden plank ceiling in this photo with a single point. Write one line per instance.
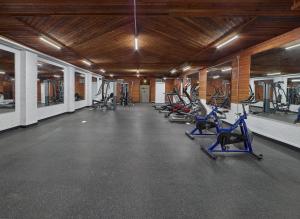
(171, 32)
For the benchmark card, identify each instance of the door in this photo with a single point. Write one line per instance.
(144, 93)
(160, 92)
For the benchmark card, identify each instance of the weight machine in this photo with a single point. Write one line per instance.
(107, 100)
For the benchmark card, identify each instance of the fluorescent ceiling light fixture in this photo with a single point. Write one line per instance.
(87, 62)
(83, 121)
(295, 80)
(165, 78)
(111, 75)
(228, 41)
(226, 69)
(56, 76)
(291, 47)
(50, 43)
(2, 72)
(275, 73)
(173, 71)
(136, 43)
(186, 68)
(216, 76)
(102, 70)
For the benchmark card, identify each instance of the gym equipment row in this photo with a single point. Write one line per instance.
(235, 138)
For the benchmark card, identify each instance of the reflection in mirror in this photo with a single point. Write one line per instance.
(218, 90)
(50, 84)
(194, 87)
(7, 81)
(79, 86)
(275, 75)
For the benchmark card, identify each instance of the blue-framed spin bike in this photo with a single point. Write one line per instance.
(206, 125)
(234, 134)
(226, 137)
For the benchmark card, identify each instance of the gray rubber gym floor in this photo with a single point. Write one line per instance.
(133, 163)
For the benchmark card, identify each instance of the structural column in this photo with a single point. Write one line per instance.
(70, 85)
(28, 87)
(202, 84)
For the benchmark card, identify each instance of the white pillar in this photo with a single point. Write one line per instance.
(28, 88)
(70, 88)
(89, 96)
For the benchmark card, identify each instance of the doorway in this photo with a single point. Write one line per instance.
(144, 93)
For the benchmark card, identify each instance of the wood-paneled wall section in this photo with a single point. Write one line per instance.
(240, 78)
(177, 84)
(152, 89)
(212, 86)
(80, 86)
(134, 88)
(202, 83)
(7, 89)
(169, 86)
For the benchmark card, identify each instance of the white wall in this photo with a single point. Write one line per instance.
(13, 119)
(26, 109)
(278, 130)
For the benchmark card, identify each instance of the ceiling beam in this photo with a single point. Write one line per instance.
(148, 8)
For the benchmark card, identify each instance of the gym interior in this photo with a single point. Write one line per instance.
(150, 109)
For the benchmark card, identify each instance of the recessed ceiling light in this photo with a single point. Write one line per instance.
(291, 47)
(173, 71)
(56, 76)
(87, 62)
(136, 43)
(111, 75)
(50, 43)
(226, 69)
(216, 76)
(2, 72)
(228, 41)
(186, 68)
(165, 78)
(138, 75)
(295, 80)
(83, 121)
(275, 73)
(102, 70)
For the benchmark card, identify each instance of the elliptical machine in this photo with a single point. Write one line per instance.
(226, 137)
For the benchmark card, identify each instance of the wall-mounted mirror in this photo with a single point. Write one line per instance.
(50, 84)
(218, 90)
(7, 81)
(275, 83)
(79, 86)
(194, 85)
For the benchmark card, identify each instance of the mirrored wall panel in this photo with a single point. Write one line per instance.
(79, 86)
(275, 83)
(218, 90)
(194, 85)
(7, 81)
(50, 84)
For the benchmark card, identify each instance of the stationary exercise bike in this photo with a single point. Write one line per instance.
(226, 137)
(205, 124)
